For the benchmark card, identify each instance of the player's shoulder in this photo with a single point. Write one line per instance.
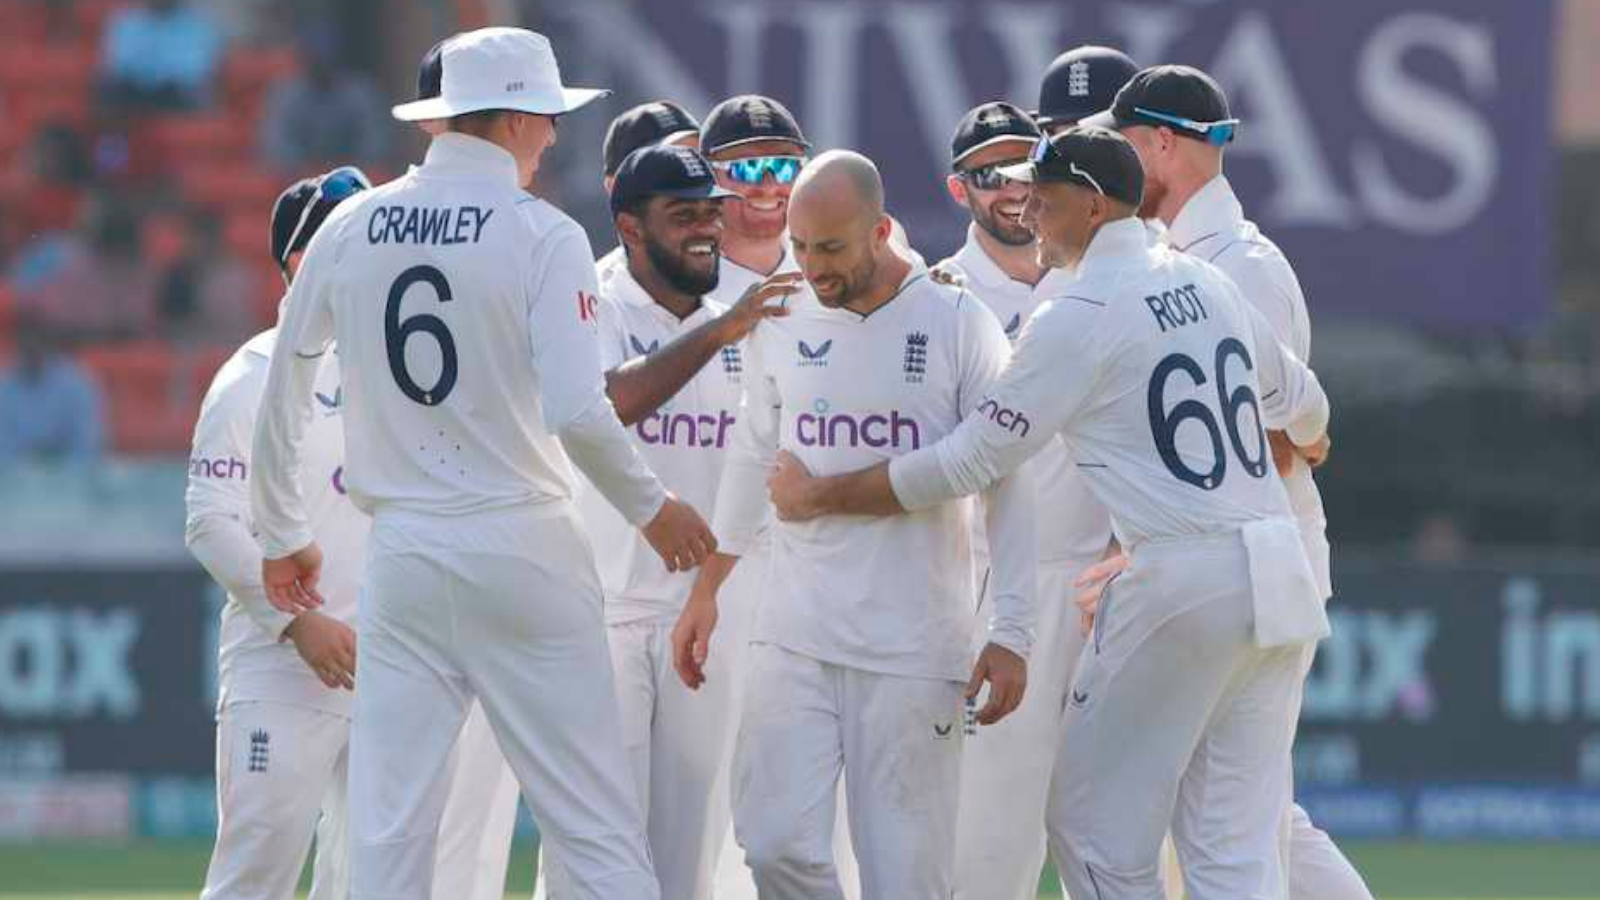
(240, 381)
(544, 221)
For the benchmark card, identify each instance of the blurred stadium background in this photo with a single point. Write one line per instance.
(1431, 166)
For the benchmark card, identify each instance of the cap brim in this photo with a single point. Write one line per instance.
(571, 100)
(756, 140)
(1029, 139)
(710, 192)
(1103, 119)
(1023, 172)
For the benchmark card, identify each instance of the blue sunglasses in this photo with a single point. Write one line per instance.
(1214, 133)
(333, 188)
(754, 169)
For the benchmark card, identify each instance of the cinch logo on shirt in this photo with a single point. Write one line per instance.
(820, 429)
(815, 356)
(686, 429)
(1009, 419)
(221, 468)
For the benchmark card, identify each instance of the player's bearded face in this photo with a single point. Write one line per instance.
(761, 211)
(683, 241)
(1147, 142)
(840, 268)
(1000, 214)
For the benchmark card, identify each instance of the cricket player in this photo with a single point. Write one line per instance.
(861, 650)
(1079, 83)
(1159, 377)
(1005, 769)
(659, 122)
(668, 213)
(284, 682)
(1178, 119)
(464, 313)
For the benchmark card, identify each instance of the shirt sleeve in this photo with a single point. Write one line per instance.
(1008, 504)
(1267, 283)
(304, 332)
(563, 306)
(612, 333)
(217, 524)
(742, 495)
(1292, 398)
(1050, 377)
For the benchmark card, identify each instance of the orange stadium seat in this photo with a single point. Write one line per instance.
(137, 379)
(183, 140)
(24, 21)
(247, 72)
(229, 185)
(92, 14)
(57, 67)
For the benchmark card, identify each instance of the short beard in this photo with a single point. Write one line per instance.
(1009, 235)
(859, 281)
(673, 271)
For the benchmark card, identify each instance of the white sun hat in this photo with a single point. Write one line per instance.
(498, 68)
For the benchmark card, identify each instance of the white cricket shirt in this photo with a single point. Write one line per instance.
(464, 310)
(254, 664)
(1212, 226)
(683, 442)
(892, 594)
(1072, 525)
(1159, 377)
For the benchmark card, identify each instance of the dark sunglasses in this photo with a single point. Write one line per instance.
(333, 188)
(754, 169)
(988, 178)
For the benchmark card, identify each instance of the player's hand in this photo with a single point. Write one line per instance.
(327, 645)
(756, 304)
(291, 582)
(789, 489)
(691, 637)
(1091, 584)
(1007, 674)
(679, 536)
(941, 274)
(1315, 454)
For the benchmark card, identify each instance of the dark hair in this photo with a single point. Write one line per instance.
(476, 123)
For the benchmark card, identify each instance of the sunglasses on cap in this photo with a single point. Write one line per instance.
(336, 186)
(988, 178)
(1214, 133)
(754, 169)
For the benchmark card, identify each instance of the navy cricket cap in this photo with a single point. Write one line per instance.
(664, 170)
(1181, 98)
(645, 124)
(747, 119)
(1082, 82)
(430, 73)
(990, 124)
(303, 206)
(1089, 156)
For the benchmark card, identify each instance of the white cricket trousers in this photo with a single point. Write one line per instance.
(897, 741)
(479, 819)
(277, 767)
(503, 607)
(733, 879)
(1176, 719)
(679, 743)
(1005, 767)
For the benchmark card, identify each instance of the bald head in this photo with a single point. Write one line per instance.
(840, 183)
(838, 229)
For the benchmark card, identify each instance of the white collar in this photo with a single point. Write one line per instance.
(1212, 211)
(1114, 242)
(453, 152)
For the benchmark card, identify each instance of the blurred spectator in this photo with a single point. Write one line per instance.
(327, 115)
(99, 285)
(159, 55)
(50, 408)
(205, 293)
(44, 185)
